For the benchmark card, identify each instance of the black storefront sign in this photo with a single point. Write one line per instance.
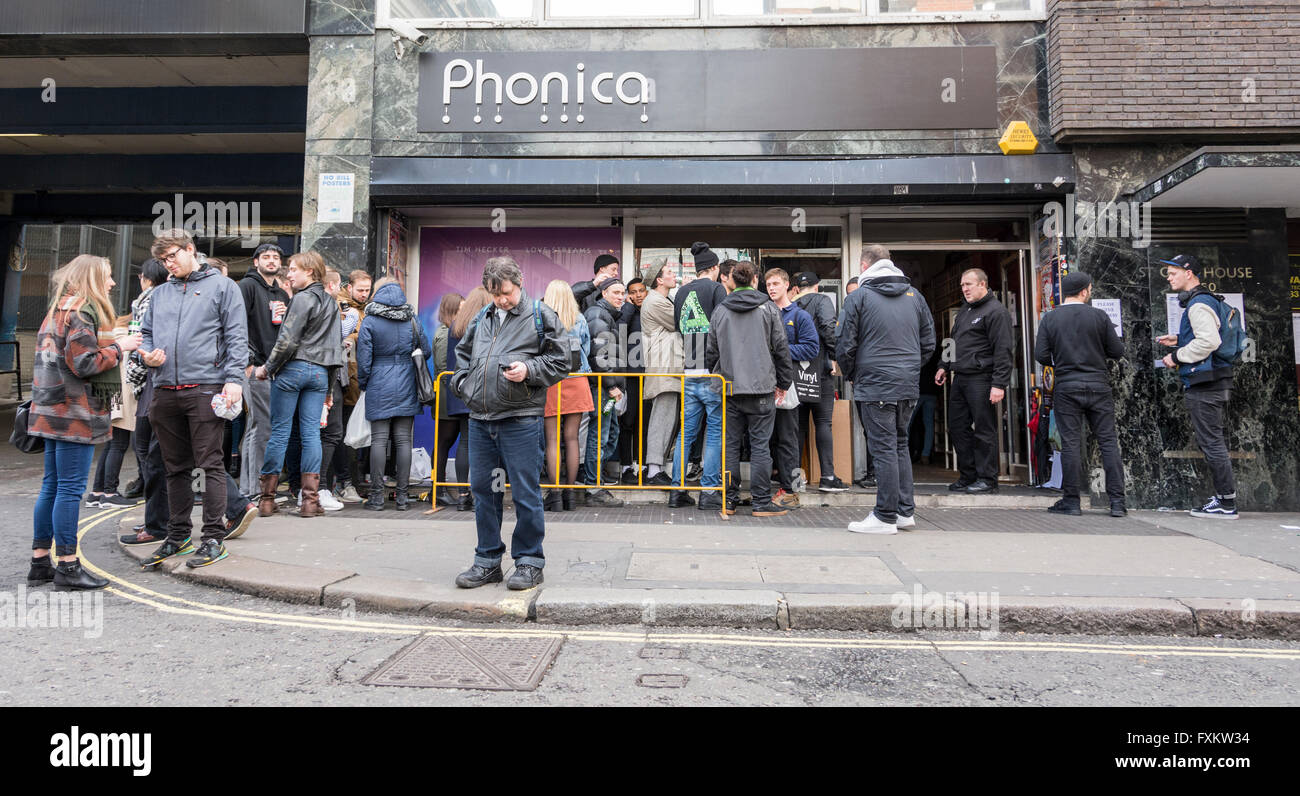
(890, 88)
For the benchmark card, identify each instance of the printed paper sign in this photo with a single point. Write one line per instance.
(1111, 308)
(334, 198)
(1174, 311)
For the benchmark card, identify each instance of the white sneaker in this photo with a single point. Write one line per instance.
(300, 498)
(872, 524)
(349, 495)
(328, 501)
(905, 523)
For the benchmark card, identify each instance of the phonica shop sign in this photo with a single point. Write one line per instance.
(890, 88)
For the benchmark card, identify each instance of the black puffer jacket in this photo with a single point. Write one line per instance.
(608, 343)
(489, 344)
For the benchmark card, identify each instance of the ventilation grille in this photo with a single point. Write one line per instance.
(1199, 226)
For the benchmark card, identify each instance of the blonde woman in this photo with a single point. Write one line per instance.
(567, 401)
(74, 379)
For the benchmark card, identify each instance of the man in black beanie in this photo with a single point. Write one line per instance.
(693, 308)
(585, 293)
(1076, 339)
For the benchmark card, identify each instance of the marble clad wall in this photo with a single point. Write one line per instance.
(1150, 415)
(340, 97)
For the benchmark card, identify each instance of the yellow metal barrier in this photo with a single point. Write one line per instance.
(559, 411)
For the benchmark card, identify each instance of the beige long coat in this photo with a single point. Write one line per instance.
(661, 343)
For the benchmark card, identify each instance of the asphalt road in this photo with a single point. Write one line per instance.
(163, 641)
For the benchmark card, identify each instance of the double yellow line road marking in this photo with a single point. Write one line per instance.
(179, 605)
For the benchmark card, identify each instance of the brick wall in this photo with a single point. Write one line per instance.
(1188, 68)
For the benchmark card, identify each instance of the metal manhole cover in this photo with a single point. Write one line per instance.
(662, 652)
(662, 680)
(496, 664)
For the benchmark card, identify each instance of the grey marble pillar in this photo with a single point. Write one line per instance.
(340, 124)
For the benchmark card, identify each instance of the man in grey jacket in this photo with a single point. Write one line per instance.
(196, 342)
(755, 373)
(509, 355)
(887, 334)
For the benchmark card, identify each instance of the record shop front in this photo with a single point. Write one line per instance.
(791, 147)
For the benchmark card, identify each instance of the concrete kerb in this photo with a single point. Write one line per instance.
(1246, 618)
(738, 608)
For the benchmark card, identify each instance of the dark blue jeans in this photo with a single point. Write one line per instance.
(67, 467)
(886, 423)
(591, 463)
(702, 401)
(504, 451)
(298, 386)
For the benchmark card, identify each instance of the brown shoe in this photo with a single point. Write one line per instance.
(310, 496)
(266, 502)
(786, 500)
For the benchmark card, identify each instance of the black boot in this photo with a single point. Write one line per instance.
(69, 576)
(568, 500)
(42, 571)
(553, 501)
(466, 501)
(401, 497)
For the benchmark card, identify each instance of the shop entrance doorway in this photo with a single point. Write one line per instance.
(937, 273)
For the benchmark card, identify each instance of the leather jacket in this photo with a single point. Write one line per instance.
(311, 332)
(488, 345)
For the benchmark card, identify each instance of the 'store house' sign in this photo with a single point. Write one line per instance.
(893, 88)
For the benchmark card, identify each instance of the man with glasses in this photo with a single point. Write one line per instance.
(196, 345)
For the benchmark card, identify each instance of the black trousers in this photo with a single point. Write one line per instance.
(152, 477)
(189, 436)
(785, 447)
(973, 426)
(821, 413)
(750, 417)
(1206, 408)
(1073, 403)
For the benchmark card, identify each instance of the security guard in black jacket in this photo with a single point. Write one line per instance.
(980, 374)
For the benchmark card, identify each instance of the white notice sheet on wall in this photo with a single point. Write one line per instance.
(334, 198)
(1111, 308)
(1295, 330)
(1175, 312)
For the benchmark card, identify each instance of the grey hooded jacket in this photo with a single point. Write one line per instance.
(201, 324)
(886, 335)
(740, 324)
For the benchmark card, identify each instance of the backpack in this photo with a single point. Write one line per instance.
(1232, 334)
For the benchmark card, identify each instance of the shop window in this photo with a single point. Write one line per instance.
(759, 8)
(596, 9)
(943, 230)
(940, 6)
(460, 9)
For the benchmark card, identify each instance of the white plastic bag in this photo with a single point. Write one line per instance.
(421, 465)
(357, 435)
(791, 399)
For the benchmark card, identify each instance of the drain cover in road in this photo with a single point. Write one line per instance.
(484, 662)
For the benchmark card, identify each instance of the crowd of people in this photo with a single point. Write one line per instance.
(208, 379)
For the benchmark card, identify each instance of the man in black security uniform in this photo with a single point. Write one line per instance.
(980, 374)
(1076, 340)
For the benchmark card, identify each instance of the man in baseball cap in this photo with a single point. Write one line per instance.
(1207, 380)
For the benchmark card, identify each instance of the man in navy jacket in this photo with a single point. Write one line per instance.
(801, 334)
